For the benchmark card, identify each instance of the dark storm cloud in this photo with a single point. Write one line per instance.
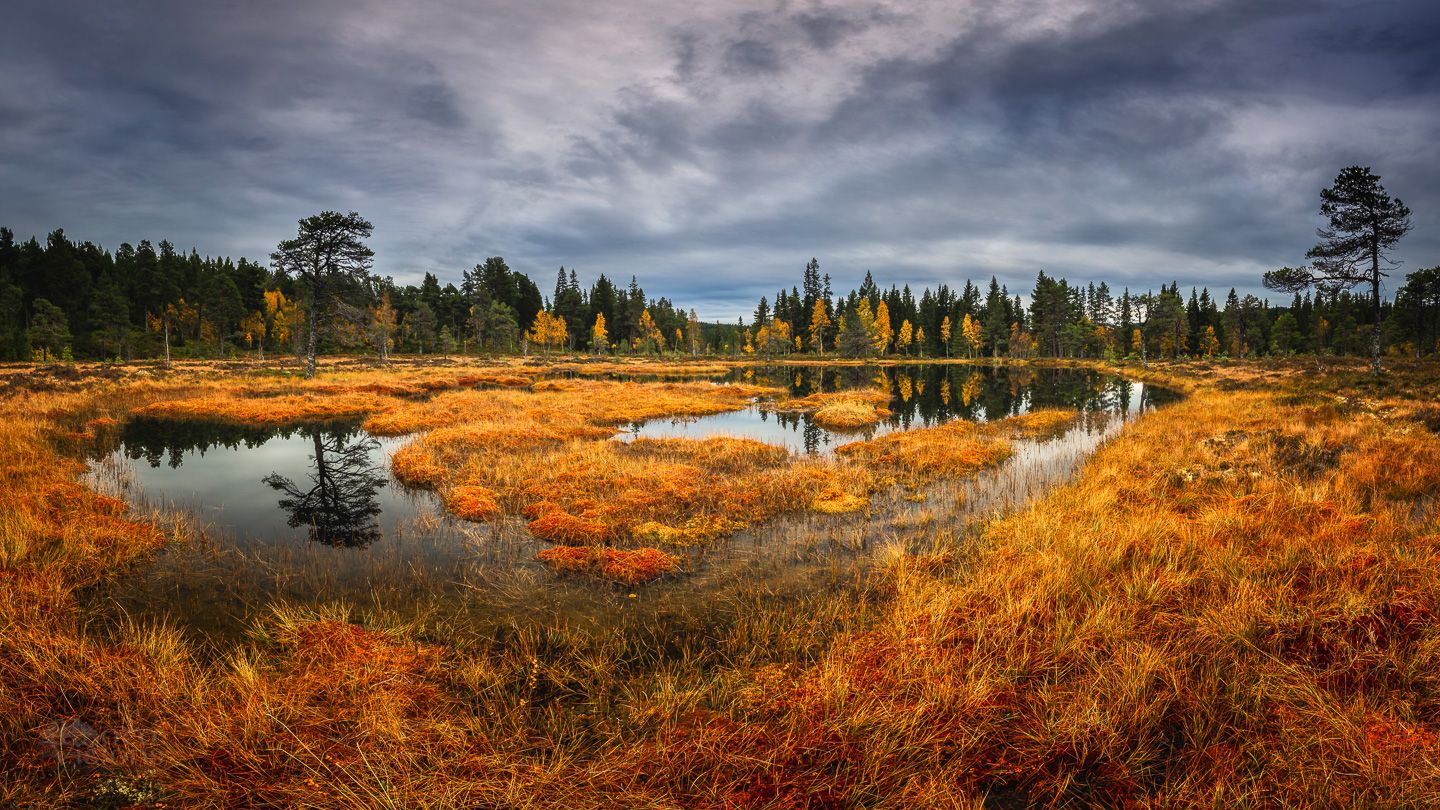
(712, 151)
(824, 29)
(749, 57)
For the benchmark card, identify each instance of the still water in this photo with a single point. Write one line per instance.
(920, 396)
(325, 483)
(312, 514)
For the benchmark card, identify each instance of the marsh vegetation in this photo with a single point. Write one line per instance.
(443, 584)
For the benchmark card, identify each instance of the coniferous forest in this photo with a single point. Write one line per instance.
(66, 299)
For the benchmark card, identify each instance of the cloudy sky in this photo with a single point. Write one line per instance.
(713, 148)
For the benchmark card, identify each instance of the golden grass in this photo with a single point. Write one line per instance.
(268, 410)
(1041, 423)
(848, 416)
(1233, 605)
(853, 409)
(915, 457)
(834, 501)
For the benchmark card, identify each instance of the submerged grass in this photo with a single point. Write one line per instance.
(1233, 604)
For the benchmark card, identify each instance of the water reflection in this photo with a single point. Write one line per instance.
(340, 506)
(332, 481)
(920, 396)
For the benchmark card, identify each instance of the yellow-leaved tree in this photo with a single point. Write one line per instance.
(599, 335)
(383, 319)
(279, 314)
(650, 334)
(945, 334)
(253, 327)
(548, 330)
(974, 335)
(903, 340)
(1209, 342)
(692, 329)
(819, 322)
(881, 330)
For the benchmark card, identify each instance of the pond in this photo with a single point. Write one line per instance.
(311, 514)
(326, 483)
(920, 396)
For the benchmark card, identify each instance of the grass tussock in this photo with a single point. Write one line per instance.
(853, 409)
(624, 566)
(849, 416)
(916, 457)
(1042, 423)
(472, 503)
(834, 501)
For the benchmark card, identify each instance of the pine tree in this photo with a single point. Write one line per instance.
(49, 331)
(329, 256)
(1364, 224)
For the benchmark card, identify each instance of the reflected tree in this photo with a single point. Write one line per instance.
(340, 506)
(167, 441)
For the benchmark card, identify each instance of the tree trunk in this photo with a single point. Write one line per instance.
(1375, 302)
(311, 340)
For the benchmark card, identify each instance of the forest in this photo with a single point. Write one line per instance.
(65, 299)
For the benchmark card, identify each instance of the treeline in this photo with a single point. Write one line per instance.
(63, 299)
(1070, 320)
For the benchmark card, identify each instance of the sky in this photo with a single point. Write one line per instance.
(713, 148)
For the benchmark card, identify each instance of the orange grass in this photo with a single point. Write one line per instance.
(276, 410)
(472, 503)
(546, 453)
(1220, 611)
(1041, 423)
(915, 457)
(628, 567)
(1233, 605)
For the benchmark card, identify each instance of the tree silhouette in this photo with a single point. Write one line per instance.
(1365, 223)
(340, 506)
(328, 254)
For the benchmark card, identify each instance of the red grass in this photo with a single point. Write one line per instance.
(567, 529)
